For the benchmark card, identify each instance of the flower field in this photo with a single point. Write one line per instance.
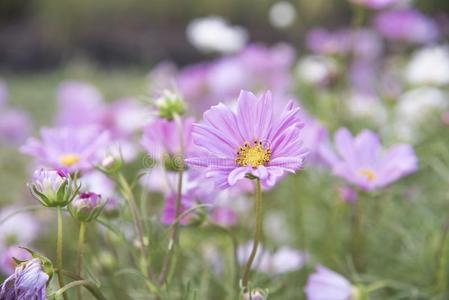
(313, 167)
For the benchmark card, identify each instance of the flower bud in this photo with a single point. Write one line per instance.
(53, 187)
(169, 105)
(87, 206)
(255, 295)
(29, 280)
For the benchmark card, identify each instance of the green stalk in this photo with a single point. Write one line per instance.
(174, 236)
(80, 254)
(357, 235)
(59, 250)
(442, 259)
(89, 285)
(257, 235)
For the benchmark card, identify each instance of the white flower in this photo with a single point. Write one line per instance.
(367, 107)
(215, 34)
(282, 14)
(416, 107)
(429, 66)
(282, 261)
(316, 69)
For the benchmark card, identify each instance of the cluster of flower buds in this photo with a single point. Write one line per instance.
(87, 206)
(170, 104)
(53, 187)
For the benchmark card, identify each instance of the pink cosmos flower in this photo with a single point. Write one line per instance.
(15, 126)
(407, 25)
(325, 284)
(79, 103)
(362, 161)
(251, 141)
(7, 263)
(67, 147)
(161, 137)
(29, 281)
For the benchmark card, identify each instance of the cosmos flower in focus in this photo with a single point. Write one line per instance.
(325, 284)
(67, 148)
(215, 34)
(249, 142)
(29, 281)
(362, 161)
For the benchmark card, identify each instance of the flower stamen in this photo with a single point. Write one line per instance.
(69, 159)
(253, 155)
(369, 174)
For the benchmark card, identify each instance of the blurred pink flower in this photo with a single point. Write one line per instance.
(7, 263)
(325, 284)
(406, 25)
(15, 126)
(18, 229)
(362, 161)
(79, 104)
(68, 147)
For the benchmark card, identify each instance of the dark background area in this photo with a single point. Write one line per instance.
(41, 35)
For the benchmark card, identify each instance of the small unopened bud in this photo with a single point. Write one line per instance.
(53, 188)
(87, 206)
(170, 104)
(255, 295)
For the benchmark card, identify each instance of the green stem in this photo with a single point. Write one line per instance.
(129, 197)
(357, 236)
(59, 250)
(174, 235)
(80, 254)
(89, 285)
(257, 235)
(442, 259)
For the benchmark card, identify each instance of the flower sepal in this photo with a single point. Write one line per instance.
(53, 188)
(87, 206)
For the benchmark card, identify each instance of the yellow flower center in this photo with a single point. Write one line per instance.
(253, 155)
(369, 174)
(69, 159)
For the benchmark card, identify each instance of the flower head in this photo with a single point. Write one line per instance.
(15, 126)
(29, 280)
(326, 284)
(87, 206)
(52, 187)
(170, 104)
(406, 25)
(362, 161)
(67, 147)
(251, 142)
